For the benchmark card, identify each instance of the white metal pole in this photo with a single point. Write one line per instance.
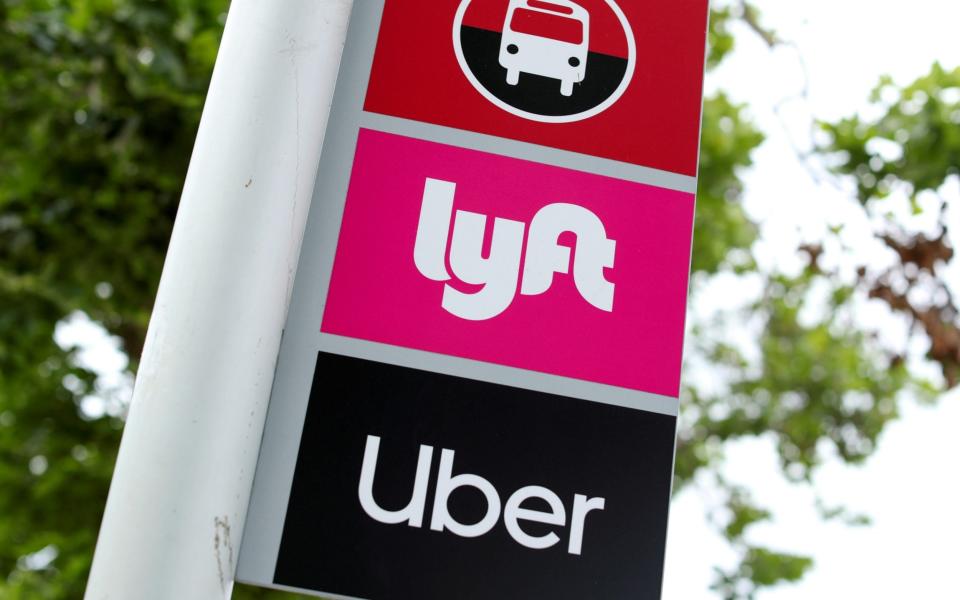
(179, 494)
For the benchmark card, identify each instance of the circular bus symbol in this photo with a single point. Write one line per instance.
(553, 61)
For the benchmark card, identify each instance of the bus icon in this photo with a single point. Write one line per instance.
(546, 38)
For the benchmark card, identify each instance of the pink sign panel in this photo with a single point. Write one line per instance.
(512, 262)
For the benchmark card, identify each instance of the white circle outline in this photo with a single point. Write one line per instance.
(628, 76)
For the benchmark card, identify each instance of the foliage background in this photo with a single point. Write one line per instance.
(99, 104)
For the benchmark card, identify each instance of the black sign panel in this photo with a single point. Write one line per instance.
(414, 484)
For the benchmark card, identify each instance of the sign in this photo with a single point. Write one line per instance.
(410, 267)
(477, 389)
(435, 486)
(428, 67)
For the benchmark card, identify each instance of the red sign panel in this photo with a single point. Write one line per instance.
(618, 80)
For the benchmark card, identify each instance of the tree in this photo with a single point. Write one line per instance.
(100, 101)
(827, 387)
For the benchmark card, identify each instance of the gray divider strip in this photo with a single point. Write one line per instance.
(287, 588)
(527, 151)
(500, 374)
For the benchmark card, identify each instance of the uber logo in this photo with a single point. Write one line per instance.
(416, 484)
(442, 520)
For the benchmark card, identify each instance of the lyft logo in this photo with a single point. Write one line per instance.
(499, 272)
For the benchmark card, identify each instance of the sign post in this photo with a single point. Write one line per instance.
(179, 494)
(477, 389)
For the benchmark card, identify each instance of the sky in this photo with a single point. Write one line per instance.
(910, 487)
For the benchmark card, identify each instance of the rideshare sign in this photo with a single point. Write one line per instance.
(508, 261)
(477, 389)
